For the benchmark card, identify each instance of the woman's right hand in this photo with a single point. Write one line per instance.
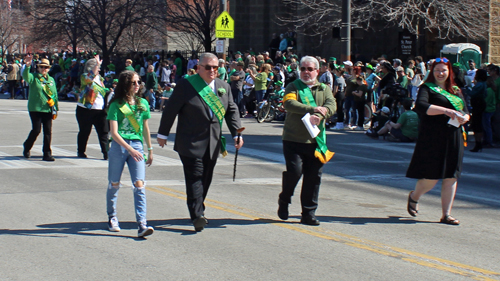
(136, 155)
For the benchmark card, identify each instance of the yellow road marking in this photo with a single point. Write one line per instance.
(472, 272)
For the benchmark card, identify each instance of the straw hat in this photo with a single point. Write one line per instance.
(44, 62)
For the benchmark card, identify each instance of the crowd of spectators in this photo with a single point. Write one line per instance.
(374, 95)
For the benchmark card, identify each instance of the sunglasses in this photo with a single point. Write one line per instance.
(445, 60)
(136, 82)
(42, 67)
(310, 69)
(210, 67)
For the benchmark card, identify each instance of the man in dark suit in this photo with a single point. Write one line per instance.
(201, 102)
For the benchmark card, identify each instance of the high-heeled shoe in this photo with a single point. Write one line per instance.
(477, 148)
(412, 211)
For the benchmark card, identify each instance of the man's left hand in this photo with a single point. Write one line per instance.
(315, 120)
(238, 146)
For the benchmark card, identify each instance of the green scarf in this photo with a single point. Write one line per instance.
(322, 152)
(212, 101)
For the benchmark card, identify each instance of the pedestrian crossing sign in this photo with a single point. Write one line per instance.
(224, 26)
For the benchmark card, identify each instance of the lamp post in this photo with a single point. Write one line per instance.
(346, 30)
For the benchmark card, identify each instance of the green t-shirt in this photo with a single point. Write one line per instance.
(222, 72)
(178, 63)
(409, 124)
(125, 129)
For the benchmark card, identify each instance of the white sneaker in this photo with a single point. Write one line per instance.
(359, 129)
(145, 230)
(338, 127)
(113, 224)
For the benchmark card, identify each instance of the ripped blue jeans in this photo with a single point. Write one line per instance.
(118, 156)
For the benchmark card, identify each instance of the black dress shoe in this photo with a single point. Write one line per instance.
(309, 220)
(199, 223)
(48, 158)
(282, 210)
(105, 155)
(82, 155)
(26, 154)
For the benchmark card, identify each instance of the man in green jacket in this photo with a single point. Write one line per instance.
(151, 87)
(304, 154)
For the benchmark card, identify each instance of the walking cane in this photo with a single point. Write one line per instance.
(237, 149)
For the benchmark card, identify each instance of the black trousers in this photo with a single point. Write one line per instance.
(339, 99)
(86, 118)
(198, 174)
(300, 160)
(37, 120)
(359, 106)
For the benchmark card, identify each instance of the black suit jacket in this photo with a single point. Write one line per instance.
(196, 130)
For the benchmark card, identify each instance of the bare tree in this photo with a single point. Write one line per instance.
(61, 20)
(9, 27)
(446, 18)
(193, 17)
(105, 21)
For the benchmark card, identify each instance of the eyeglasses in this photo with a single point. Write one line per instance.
(210, 67)
(136, 82)
(310, 69)
(42, 67)
(445, 60)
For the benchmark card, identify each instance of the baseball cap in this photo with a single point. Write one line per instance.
(349, 63)
(386, 110)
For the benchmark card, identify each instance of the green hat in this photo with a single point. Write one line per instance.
(108, 76)
(115, 81)
(369, 66)
(111, 67)
(238, 53)
(279, 83)
(456, 64)
(332, 59)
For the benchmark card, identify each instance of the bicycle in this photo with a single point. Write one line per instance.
(271, 109)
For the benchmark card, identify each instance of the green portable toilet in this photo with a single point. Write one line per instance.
(462, 53)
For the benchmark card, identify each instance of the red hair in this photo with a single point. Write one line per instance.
(450, 81)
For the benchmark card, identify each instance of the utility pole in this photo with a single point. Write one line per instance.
(225, 8)
(346, 31)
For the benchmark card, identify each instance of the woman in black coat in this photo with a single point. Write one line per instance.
(440, 146)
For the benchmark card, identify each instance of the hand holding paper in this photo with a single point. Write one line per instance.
(312, 129)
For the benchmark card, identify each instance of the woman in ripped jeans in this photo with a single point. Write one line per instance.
(128, 116)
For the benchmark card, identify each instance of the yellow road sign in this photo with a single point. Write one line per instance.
(224, 26)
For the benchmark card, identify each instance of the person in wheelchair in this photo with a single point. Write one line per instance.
(405, 129)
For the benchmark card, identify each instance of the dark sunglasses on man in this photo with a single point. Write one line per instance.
(210, 67)
(310, 69)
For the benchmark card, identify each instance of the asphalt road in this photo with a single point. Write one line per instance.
(53, 224)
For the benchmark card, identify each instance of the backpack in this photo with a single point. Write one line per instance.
(9, 69)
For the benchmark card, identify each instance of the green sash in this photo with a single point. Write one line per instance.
(322, 152)
(50, 96)
(129, 114)
(212, 101)
(456, 101)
